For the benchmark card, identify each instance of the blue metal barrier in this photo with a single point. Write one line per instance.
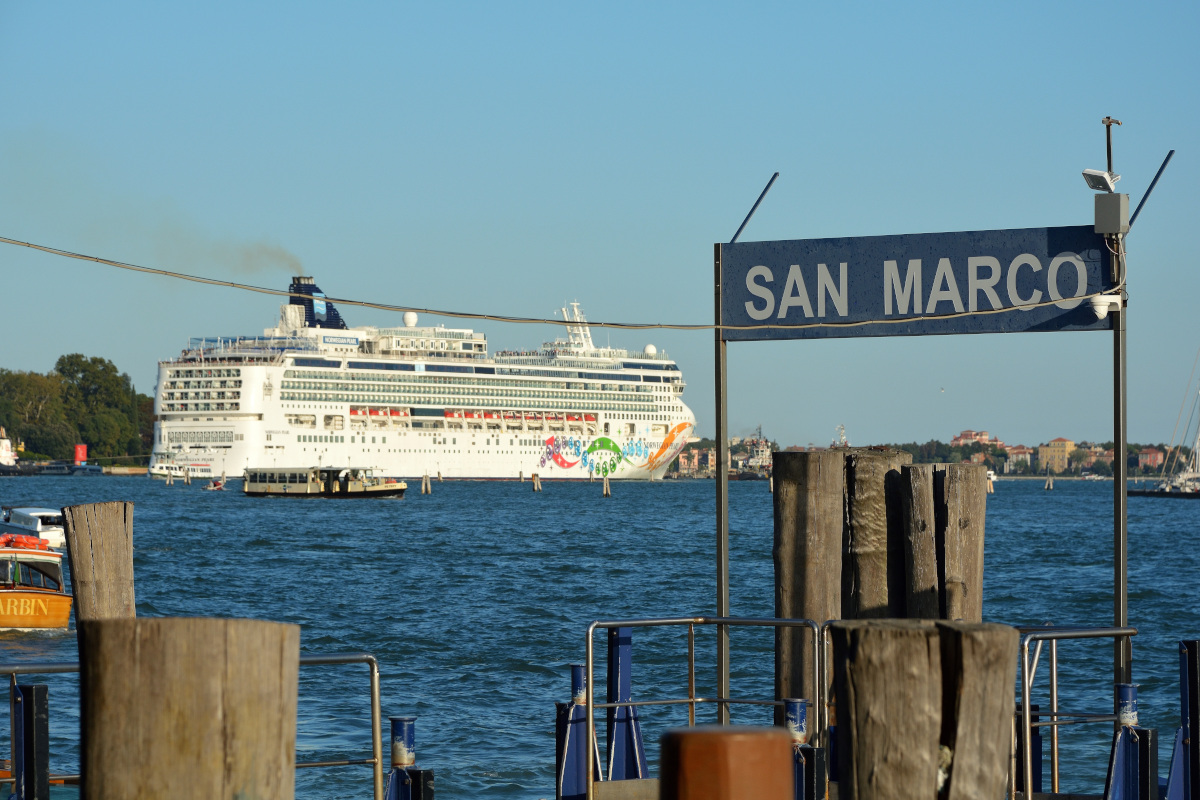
(626, 752)
(1185, 758)
(31, 742)
(571, 741)
(1133, 766)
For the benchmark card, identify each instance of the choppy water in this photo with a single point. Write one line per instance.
(474, 600)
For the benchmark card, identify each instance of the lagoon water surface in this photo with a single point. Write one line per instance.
(477, 597)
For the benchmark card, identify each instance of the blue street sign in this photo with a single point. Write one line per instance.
(1038, 279)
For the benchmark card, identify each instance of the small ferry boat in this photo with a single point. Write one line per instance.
(40, 523)
(32, 595)
(320, 482)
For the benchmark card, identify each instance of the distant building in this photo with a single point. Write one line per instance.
(1018, 454)
(975, 437)
(1150, 458)
(689, 462)
(1055, 454)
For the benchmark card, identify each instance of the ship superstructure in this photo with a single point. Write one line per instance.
(415, 401)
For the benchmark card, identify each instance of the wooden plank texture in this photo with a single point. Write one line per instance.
(979, 669)
(808, 560)
(960, 491)
(873, 562)
(888, 682)
(181, 707)
(100, 554)
(919, 526)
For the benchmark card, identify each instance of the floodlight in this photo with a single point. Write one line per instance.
(1101, 181)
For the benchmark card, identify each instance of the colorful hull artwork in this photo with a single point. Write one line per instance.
(603, 457)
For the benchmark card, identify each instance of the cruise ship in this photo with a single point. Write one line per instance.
(415, 401)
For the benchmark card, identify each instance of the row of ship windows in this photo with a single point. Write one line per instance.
(574, 397)
(202, 437)
(556, 405)
(205, 373)
(471, 387)
(203, 385)
(402, 377)
(201, 395)
(201, 406)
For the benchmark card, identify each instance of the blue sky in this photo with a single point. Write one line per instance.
(509, 158)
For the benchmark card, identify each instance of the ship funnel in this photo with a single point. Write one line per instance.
(318, 312)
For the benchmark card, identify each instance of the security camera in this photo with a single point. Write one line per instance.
(1101, 181)
(1101, 304)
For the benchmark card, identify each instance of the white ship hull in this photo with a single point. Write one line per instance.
(417, 401)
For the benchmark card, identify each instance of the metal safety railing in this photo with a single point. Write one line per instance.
(376, 760)
(1053, 635)
(692, 699)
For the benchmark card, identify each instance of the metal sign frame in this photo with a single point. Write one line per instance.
(1116, 275)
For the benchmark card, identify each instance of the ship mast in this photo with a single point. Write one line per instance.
(579, 335)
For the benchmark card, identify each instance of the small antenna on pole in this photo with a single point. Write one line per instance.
(1108, 123)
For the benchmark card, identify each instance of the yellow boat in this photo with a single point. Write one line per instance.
(32, 595)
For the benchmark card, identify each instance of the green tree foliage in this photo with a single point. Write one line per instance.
(82, 401)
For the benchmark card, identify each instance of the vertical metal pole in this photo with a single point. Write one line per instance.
(723, 474)
(589, 737)
(12, 725)
(1122, 649)
(1054, 715)
(377, 727)
(691, 674)
(722, 481)
(1026, 729)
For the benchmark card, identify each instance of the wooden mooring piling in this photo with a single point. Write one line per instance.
(924, 708)
(180, 707)
(861, 533)
(100, 554)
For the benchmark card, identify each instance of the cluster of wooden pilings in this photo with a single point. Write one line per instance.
(891, 555)
(173, 707)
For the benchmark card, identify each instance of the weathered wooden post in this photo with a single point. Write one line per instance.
(919, 525)
(808, 560)
(920, 703)
(100, 553)
(188, 708)
(960, 499)
(887, 677)
(873, 566)
(979, 671)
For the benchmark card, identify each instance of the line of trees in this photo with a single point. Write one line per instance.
(81, 401)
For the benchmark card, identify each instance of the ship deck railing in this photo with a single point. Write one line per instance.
(335, 659)
(240, 345)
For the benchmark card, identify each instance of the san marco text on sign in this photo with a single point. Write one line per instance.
(1038, 279)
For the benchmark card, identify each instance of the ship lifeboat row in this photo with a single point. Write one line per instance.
(377, 411)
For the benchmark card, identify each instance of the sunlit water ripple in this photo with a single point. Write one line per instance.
(475, 598)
